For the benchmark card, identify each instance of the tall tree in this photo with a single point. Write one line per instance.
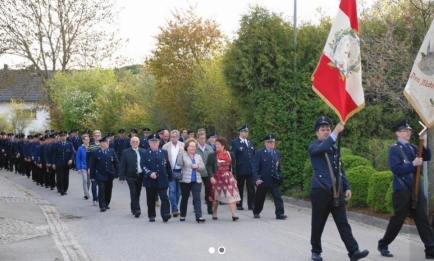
(183, 43)
(58, 34)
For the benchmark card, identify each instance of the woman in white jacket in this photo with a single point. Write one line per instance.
(192, 167)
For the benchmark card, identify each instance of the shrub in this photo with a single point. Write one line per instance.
(379, 183)
(389, 205)
(307, 176)
(352, 161)
(358, 177)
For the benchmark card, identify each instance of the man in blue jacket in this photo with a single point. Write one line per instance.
(267, 174)
(104, 167)
(62, 158)
(324, 158)
(157, 173)
(403, 161)
(243, 150)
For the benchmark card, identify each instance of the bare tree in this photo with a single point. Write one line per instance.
(58, 34)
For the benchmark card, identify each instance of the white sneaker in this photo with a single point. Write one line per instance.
(95, 203)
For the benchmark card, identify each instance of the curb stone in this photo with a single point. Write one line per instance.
(358, 217)
(64, 239)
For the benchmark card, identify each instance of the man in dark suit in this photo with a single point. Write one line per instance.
(120, 144)
(403, 160)
(104, 166)
(267, 174)
(326, 196)
(157, 173)
(131, 171)
(63, 155)
(144, 144)
(243, 150)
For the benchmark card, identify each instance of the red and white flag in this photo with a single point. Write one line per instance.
(420, 86)
(338, 76)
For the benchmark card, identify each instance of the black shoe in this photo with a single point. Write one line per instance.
(102, 209)
(108, 207)
(359, 255)
(51, 188)
(138, 213)
(86, 197)
(214, 218)
(181, 218)
(235, 218)
(46, 186)
(384, 251)
(175, 213)
(62, 193)
(316, 256)
(428, 256)
(200, 220)
(251, 208)
(240, 208)
(151, 219)
(281, 217)
(167, 217)
(256, 216)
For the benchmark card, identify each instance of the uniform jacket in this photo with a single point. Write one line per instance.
(36, 153)
(62, 154)
(317, 150)
(211, 164)
(26, 150)
(42, 155)
(33, 146)
(19, 147)
(204, 154)
(128, 166)
(401, 168)
(244, 155)
(144, 143)
(156, 162)
(184, 161)
(103, 165)
(48, 153)
(265, 166)
(119, 146)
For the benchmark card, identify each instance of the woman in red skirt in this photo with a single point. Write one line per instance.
(220, 165)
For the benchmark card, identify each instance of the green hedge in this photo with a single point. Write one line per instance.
(379, 183)
(389, 205)
(358, 177)
(352, 161)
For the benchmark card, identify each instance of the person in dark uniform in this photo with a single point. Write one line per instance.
(111, 139)
(41, 161)
(62, 158)
(243, 150)
(10, 151)
(2, 149)
(403, 160)
(35, 143)
(267, 175)
(323, 156)
(19, 158)
(27, 156)
(157, 173)
(120, 143)
(130, 170)
(144, 144)
(104, 167)
(164, 137)
(48, 155)
(133, 133)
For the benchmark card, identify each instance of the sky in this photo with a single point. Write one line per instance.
(139, 20)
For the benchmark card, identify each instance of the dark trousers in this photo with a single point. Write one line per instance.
(51, 177)
(151, 193)
(402, 201)
(261, 194)
(135, 185)
(105, 188)
(34, 170)
(11, 162)
(36, 174)
(206, 184)
(322, 206)
(28, 168)
(195, 189)
(248, 180)
(62, 176)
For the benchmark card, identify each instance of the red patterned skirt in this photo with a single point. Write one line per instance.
(225, 190)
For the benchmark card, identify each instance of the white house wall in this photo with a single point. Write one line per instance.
(40, 123)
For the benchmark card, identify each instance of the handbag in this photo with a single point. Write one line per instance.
(177, 174)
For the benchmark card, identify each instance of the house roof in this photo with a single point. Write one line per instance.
(21, 85)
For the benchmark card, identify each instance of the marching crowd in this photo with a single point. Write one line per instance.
(173, 165)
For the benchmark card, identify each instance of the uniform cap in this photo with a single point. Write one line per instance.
(146, 130)
(213, 134)
(62, 133)
(121, 131)
(110, 134)
(29, 136)
(154, 136)
(42, 138)
(401, 125)
(270, 138)
(103, 139)
(243, 128)
(52, 135)
(3, 133)
(133, 130)
(323, 120)
(47, 131)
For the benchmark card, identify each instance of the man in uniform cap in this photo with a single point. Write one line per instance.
(111, 138)
(211, 139)
(3, 140)
(62, 158)
(267, 175)
(120, 144)
(104, 167)
(403, 160)
(144, 140)
(26, 155)
(133, 133)
(157, 173)
(323, 156)
(243, 150)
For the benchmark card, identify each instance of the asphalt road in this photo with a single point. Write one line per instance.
(118, 235)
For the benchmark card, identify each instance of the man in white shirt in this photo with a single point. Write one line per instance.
(173, 147)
